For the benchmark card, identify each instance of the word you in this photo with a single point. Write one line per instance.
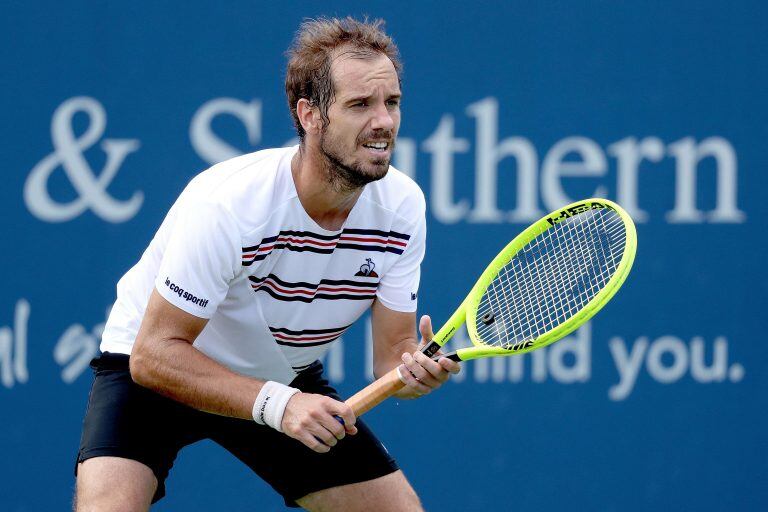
(667, 359)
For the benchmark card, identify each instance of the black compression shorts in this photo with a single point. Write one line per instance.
(126, 420)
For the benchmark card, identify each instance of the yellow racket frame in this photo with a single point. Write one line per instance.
(467, 311)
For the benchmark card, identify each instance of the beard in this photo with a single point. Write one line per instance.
(347, 174)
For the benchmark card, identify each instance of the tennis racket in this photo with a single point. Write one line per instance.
(544, 284)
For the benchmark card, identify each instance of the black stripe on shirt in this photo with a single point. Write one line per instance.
(294, 245)
(319, 296)
(313, 286)
(308, 331)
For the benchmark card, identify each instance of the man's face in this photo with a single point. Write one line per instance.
(364, 119)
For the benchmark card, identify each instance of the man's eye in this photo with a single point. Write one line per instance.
(393, 103)
(359, 104)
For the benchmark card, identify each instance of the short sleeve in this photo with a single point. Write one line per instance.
(399, 286)
(200, 259)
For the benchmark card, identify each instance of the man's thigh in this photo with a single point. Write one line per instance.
(109, 484)
(124, 422)
(390, 493)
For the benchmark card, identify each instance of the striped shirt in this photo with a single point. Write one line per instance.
(238, 248)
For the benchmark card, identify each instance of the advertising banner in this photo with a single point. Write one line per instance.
(509, 111)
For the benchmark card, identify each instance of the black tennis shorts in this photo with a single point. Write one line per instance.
(126, 420)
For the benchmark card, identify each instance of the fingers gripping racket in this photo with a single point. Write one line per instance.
(544, 284)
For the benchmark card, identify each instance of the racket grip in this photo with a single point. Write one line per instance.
(375, 393)
(431, 348)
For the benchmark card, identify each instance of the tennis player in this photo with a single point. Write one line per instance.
(262, 262)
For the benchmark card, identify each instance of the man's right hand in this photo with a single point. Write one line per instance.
(310, 418)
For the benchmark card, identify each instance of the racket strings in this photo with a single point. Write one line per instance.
(528, 298)
(555, 285)
(551, 278)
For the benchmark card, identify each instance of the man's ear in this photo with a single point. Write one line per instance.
(309, 116)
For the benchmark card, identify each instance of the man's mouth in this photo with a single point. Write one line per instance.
(379, 147)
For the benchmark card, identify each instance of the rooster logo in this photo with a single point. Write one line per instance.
(366, 269)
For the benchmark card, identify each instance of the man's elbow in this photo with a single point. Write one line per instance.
(138, 364)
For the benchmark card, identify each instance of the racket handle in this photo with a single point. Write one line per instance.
(375, 393)
(431, 348)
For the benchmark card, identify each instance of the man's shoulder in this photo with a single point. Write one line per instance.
(398, 192)
(247, 187)
(230, 175)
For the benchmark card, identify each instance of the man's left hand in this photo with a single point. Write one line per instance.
(421, 374)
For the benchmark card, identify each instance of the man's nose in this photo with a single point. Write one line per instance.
(382, 119)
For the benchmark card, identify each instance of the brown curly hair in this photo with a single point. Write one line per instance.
(312, 52)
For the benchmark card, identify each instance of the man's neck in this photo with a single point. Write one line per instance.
(324, 203)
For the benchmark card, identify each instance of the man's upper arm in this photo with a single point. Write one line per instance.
(163, 324)
(394, 332)
(164, 321)
(399, 285)
(200, 259)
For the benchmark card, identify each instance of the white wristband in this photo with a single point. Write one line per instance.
(269, 407)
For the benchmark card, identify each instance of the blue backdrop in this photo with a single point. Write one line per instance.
(510, 110)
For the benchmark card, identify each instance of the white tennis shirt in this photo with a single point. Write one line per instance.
(238, 248)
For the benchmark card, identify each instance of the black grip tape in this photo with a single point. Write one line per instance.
(431, 349)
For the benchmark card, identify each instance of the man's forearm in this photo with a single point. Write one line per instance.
(385, 360)
(177, 370)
